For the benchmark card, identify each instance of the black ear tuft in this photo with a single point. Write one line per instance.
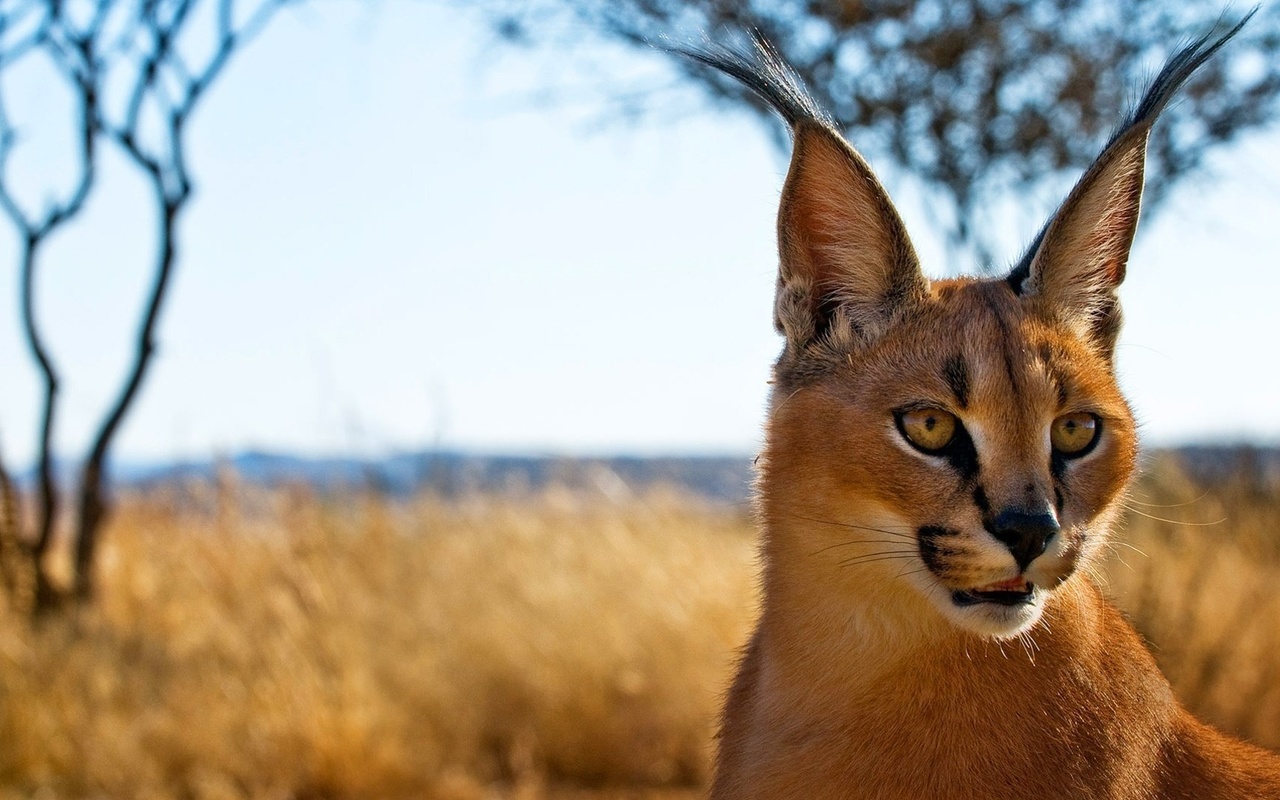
(846, 264)
(1080, 256)
(762, 70)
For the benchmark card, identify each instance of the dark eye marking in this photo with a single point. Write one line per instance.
(961, 454)
(1058, 467)
(980, 500)
(956, 373)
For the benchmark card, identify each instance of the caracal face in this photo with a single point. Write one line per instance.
(964, 438)
(974, 452)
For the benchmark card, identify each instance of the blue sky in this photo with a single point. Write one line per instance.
(395, 245)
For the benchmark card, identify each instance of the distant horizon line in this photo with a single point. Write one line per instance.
(538, 453)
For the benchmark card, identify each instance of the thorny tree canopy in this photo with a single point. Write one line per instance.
(980, 100)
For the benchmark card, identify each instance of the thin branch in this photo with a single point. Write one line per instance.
(47, 498)
(170, 182)
(92, 502)
(32, 235)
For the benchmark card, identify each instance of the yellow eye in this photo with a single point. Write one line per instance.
(1071, 434)
(929, 429)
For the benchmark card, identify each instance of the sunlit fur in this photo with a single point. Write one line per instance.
(903, 651)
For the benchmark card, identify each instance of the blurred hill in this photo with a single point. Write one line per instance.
(451, 474)
(724, 478)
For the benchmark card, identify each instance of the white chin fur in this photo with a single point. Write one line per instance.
(995, 621)
(988, 619)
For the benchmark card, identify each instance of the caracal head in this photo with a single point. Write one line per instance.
(960, 442)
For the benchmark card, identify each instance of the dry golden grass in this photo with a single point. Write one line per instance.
(312, 649)
(1197, 568)
(284, 646)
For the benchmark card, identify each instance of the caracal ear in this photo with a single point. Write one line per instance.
(1083, 252)
(1077, 262)
(847, 266)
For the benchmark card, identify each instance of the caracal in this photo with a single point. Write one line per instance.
(943, 461)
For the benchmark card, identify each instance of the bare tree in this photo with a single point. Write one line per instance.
(980, 101)
(135, 71)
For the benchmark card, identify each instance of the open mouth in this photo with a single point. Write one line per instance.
(1005, 593)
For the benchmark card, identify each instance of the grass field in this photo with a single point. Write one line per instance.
(281, 645)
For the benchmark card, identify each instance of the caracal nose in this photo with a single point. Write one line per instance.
(1026, 534)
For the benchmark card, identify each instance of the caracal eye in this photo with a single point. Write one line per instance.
(1071, 434)
(929, 429)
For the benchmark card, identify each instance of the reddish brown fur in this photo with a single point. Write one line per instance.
(854, 686)
(904, 650)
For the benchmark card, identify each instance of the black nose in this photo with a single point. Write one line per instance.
(1026, 535)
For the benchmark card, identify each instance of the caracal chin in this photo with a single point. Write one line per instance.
(943, 461)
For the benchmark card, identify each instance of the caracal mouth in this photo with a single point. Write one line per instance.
(1014, 592)
(1001, 610)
